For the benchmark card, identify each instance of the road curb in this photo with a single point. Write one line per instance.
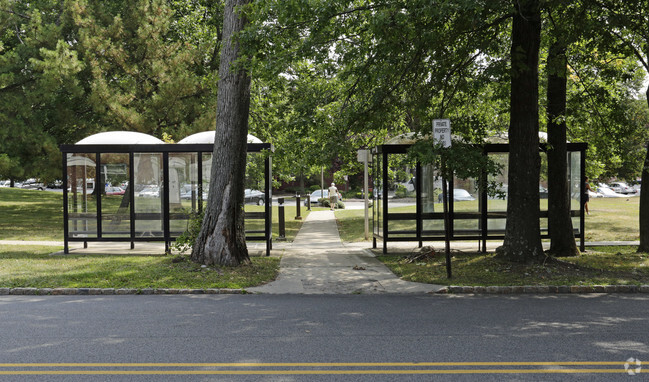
(111, 291)
(529, 289)
(546, 289)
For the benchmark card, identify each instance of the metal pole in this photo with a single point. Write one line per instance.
(297, 208)
(367, 202)
(281, 218)
(447, 228)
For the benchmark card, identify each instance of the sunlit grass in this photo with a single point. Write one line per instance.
(598, 266)
(33, 266)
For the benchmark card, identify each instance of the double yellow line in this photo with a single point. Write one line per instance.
(340, 368)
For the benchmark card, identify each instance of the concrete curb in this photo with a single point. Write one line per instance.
(547, 289)
(111, 291)
(529, 289)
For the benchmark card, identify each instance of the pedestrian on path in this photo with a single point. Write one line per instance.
(333, 196)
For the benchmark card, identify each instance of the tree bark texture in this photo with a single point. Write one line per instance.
(522, 241)
(221, 240)
(559, 220)
(644, 200)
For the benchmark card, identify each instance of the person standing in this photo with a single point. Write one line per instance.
(333, 196)
(587, 189)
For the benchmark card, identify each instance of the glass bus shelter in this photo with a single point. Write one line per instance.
(408, 201)
(147, 190)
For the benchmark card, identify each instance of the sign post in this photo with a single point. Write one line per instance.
(365, 157)
(442, 134)
(442, 131)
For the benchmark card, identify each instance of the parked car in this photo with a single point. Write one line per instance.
(55, 185)
(5, 183)
(33, 184)
(150, 192)
(621, 188)
(459, 194)
(254, 196)
(115, 191)
(319, 194)
(606, 192)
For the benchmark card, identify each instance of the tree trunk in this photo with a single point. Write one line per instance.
(221, 240)
(559, 220)
(644, 200)
(522, 232)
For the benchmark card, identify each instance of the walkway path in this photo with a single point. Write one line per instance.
(317, 262)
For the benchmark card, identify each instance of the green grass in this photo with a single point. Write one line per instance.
(38, 215)
(613, 219)
(597, 266)
(30, 215)
(33, 266)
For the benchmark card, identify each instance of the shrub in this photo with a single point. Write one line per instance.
(326, 203)
(185, 242)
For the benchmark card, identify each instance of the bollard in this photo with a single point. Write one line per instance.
(308, 202)
(282, 219)
(297, 208)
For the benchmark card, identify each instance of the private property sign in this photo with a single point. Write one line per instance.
(442, 131)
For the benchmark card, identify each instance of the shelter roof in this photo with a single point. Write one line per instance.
(120, 138)
(208, 137)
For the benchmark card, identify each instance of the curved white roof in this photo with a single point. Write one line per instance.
(120, 138)
(208, 137)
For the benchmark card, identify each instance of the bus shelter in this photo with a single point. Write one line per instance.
(133, 187)
(408, 198)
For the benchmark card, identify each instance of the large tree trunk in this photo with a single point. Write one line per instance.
(559, 220)
(644, 200)
(221, 240)
(522, 233)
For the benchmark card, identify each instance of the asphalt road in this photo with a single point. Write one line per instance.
(323, 337)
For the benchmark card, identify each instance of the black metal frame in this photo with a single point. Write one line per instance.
(482, 234)
(165, 150)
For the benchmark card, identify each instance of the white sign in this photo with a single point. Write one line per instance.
(364, 156)
(442, 132)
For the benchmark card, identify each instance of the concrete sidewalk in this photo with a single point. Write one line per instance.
(317, 262)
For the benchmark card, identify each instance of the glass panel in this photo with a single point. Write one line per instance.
(377, 191)
(465, 195)
(401, 184)
(206, 169)
(466, 227)
(402, 228)
(82, 203)
(115, 202)
(183, 190)
(148, 195)
(433, 227)
(499, 202)
(574, 174)
(254, 182)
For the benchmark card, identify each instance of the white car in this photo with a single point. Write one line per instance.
(459, 194)
(607, 192)
(318, 194)
(621, 188)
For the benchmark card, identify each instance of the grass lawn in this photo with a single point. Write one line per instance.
(597, 266)
(610, 219)
(34, 267)
(38, 215)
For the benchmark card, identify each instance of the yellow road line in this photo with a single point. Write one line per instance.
(307, 372)
(317, 364)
